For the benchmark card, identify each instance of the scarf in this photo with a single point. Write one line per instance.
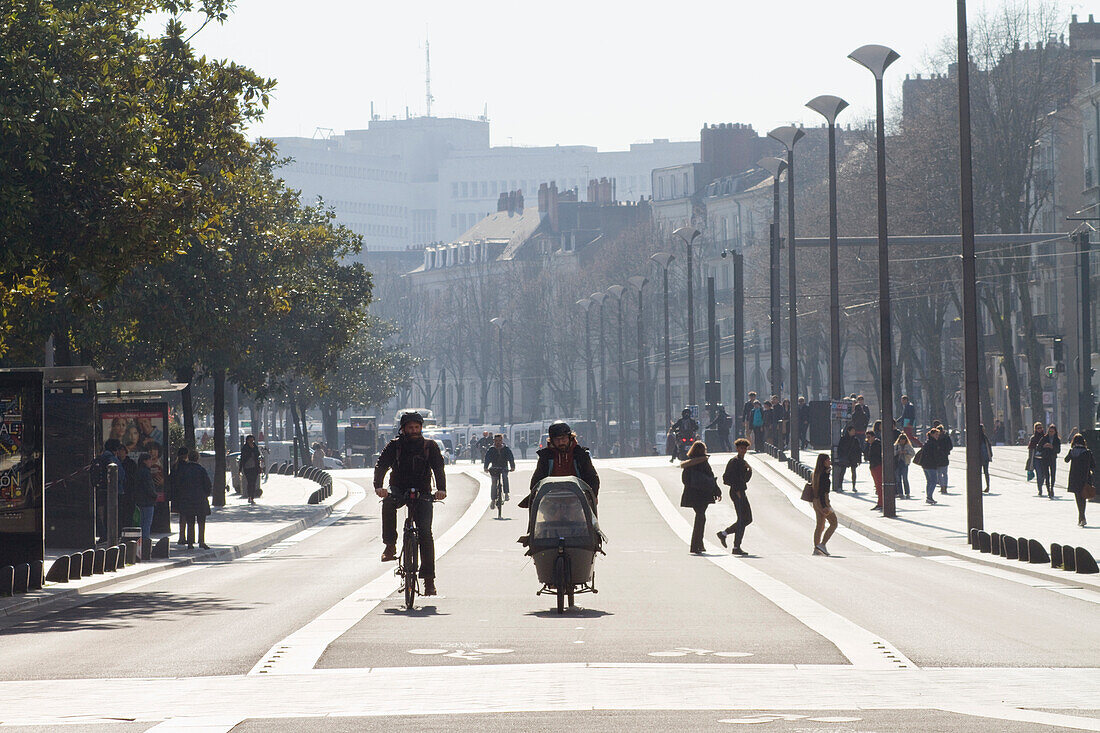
(563, 462)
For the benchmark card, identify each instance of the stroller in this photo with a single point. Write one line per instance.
(563, 538)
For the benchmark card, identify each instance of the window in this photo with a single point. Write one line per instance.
(484, 189)
(465, 190)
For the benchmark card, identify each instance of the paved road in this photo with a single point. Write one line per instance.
(309, 636)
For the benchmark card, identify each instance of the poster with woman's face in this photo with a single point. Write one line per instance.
(143, 428)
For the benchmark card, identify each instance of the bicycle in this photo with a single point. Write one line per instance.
(408, 562)
(500, 481)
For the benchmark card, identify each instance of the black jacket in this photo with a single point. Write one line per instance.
(700, 486)
(145, 493)
(685, 426)
(848, 451)
(413, 465)
(251, 452)
(737, 474)
(499, 459)
(933, 454)
(861, 416)
(873, 451)
(582, 467)
(192, 487)
(1082, 466)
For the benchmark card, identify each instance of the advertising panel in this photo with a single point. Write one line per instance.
(71, 504)
(143, 428)
(21, 477)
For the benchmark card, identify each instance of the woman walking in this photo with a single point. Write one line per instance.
(736, 476)
(1036, 453)
(903, 456)
(251, 466)
(700, 490)
(823, 509)
(932, 457)
(1082, 474)
(985, 454)
(757, 416)
(1051, 449)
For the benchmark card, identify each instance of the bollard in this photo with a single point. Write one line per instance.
(76, 562)
(146, 549)
(34, 582)
(1024, 549)
(984, 542)
(1085, 562)
(59, 571)
(131, 552)
(7, 581)
(1055, 555)
(110, 559)
(995, 543)
(974, 538)
(100, 562)
(121, 557)
(1069, 558)
(22, 582)
(1010, 548)
(315, 497)
(1036, 553)
(160, 550)
(87, 563)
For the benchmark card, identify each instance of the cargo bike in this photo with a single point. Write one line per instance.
(563, 538)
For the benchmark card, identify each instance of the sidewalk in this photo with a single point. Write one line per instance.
(1012, 507)
(231, 531)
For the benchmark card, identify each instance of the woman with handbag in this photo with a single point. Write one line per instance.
(700, 490)
(251, 466)
(819, 487)
(903, 456)
(1082, 474)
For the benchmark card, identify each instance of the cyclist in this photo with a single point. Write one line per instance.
(414, 460)
(498, 462)
(563, 457)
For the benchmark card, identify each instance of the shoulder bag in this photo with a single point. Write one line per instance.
(808, 492)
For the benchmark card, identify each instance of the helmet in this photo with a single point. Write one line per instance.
(558, 428)
(686, 412)
(409, 417)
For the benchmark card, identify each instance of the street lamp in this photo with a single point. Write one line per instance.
(688, 235)
(638, 282)
(829, 106)
(663, 260)
(586, 305)
(876, 59)
(775, 166)
(499, 322)
(616, 292)
(601, 400)
(789, 135)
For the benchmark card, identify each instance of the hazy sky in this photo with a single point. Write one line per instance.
(563, 71)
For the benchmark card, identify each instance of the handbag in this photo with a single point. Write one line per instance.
(1088, 491)
(808, 492)
(918, 458)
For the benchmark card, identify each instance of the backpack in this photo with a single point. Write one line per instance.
(757, 417)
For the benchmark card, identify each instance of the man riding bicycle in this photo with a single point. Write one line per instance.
(414, 460)
(563, 457)
(498, 462)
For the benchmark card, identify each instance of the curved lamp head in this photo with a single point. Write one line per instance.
(788, 135)
(498, 322)
(598, 298)
(664, 259)
(874, 58)
(688, 234)
(827, 106)
(775, 166)
(585, 303)
(616, 291)
(638, 282)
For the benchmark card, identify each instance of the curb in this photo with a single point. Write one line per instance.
(45, 600)
(879, 534)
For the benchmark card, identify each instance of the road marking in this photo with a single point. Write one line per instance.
(300, 651)
(864, 649)
(1033, 582)
(199, 724)
(684, 652)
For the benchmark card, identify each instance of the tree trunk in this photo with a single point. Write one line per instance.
(329, 428)
(187, 376)
(219, 437)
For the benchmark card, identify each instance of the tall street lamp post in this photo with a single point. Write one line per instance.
(789, 135)
(499, 323)
(664, 259)
(876, 59)
(971, 327)
(775, 166)
(616, 292)
(601, 399)
(688, 236)
(586, 306)
(829, 106)
(638, 283)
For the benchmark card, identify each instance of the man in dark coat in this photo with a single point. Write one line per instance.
(736, 476)
(414, 461)
(849, 454)
(861, 416)
(498, 462)
(563, 457)
(722, 422)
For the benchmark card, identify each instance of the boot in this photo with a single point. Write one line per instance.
(389, 552)
(429, 586)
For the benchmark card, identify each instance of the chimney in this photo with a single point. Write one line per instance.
(552, 198)
(502, 202)
(511, 202)
(544, 201)
(519, 201)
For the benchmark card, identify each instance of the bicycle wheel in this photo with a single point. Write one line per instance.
(409, 567)
(563, 581)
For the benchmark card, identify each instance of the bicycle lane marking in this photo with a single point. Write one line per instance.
(300, 651)
(864, 649)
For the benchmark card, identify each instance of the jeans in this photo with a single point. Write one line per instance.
(931, 475)
(1042, 475)
(744, 516)
(500, 478)
(423, 513)
(146, 521)
(901, 471)
(941, 473)
(843, 470)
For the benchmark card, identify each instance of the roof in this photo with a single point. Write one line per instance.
(512, 229)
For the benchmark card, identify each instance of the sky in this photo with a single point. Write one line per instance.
(606, 73)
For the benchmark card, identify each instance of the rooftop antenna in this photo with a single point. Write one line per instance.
(428, 72)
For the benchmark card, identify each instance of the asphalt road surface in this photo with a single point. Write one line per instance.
(311, 635)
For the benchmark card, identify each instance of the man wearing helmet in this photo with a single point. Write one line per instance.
(414, 460)
(563, 457)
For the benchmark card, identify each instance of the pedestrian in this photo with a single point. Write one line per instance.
(769, 423)
(946, 446)
(176, 491)
(872, 449)
(1051, 449)
(861, 416)
(823, 508)
(523, 445)
(999, 431)
(145, 496)
(803, 423)
(700, 490)
(931, 457)
(908, 420)
(1082, 474)
(903, 456)
(746, 414)
(722, 423)
(1036, 466)
(849, 454)
(985, 454)
(128, 515)
(757, 419)
(194, 489)
(251, 466)
(736, 476)
(317, 459)
(782, 422)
